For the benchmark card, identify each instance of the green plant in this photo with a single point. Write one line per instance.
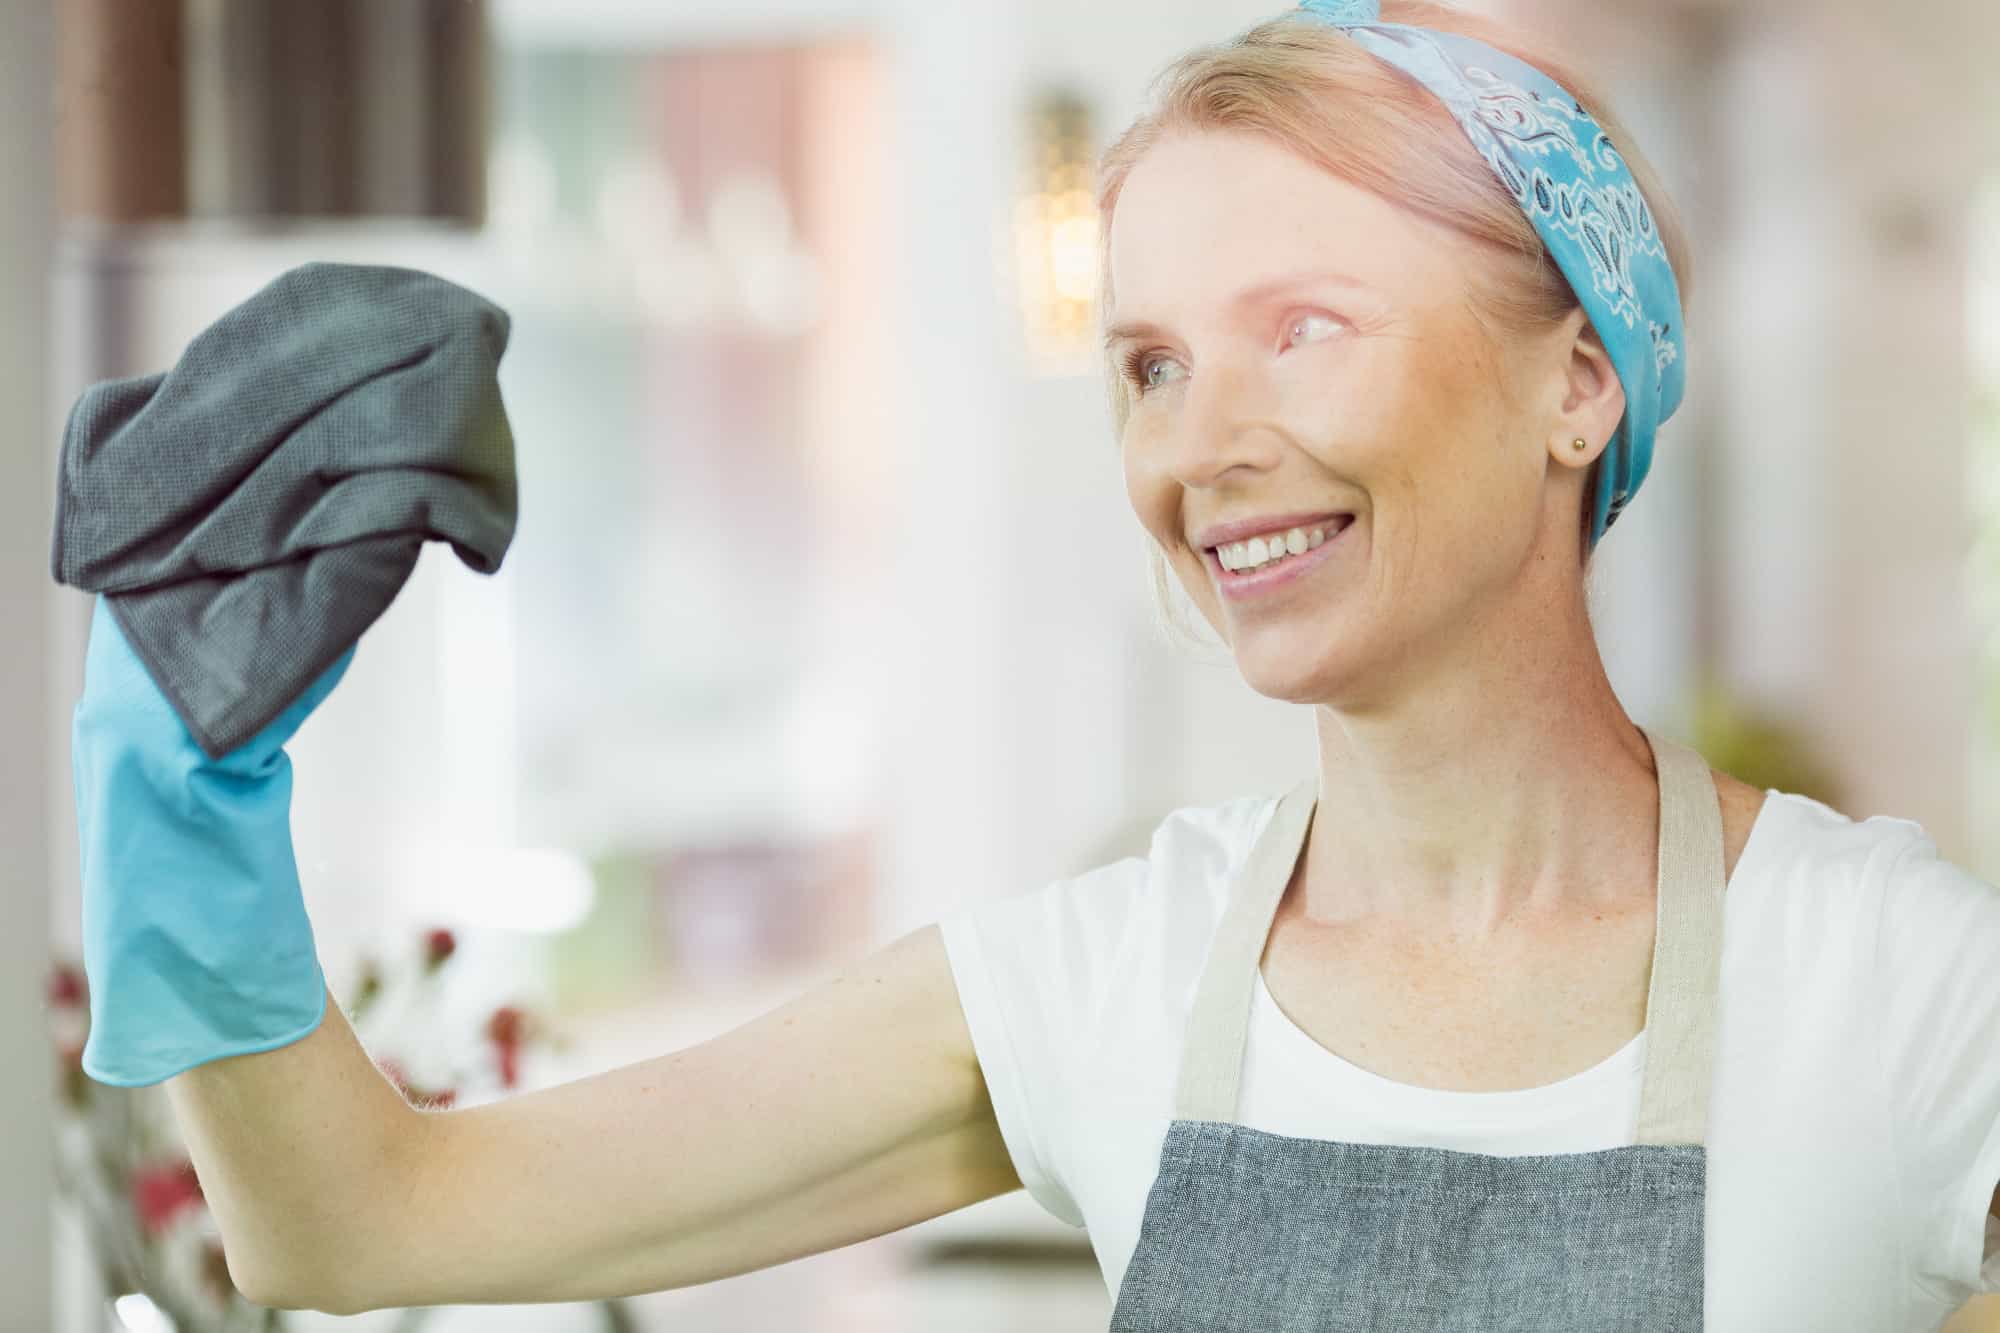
(1759, 746)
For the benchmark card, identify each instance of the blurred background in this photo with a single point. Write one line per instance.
(826, 614)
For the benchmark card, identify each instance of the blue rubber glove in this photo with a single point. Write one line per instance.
(195, 937)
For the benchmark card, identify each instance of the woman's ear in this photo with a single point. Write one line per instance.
(1592, 401)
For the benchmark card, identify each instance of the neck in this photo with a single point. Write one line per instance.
(1511, 791)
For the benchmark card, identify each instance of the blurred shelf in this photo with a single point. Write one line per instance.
(683, 23)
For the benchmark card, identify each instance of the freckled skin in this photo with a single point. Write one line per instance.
(1476, 767)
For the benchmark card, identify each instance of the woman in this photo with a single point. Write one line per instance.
(1515, 1016)
(1422, 1066)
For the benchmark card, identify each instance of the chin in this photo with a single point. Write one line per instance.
(1276, 669)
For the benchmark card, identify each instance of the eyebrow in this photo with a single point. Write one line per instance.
(1250, 296)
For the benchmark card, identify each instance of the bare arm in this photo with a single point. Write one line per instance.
(853, 1110)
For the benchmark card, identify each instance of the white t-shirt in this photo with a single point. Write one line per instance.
(1854, 1124)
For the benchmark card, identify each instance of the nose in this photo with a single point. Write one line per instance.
(1226, 423)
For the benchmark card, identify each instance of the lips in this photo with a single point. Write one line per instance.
(1267, 578)
(1223, 534)
(1333, 525)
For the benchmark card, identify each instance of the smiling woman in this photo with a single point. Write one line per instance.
(1309, 91)
(1516, 1009)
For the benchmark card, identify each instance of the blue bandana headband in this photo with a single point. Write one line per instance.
(1574, 186)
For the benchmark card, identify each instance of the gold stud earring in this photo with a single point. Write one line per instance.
(1579, 444)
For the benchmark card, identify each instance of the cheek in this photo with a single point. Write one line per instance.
(1153, 494)
(1362, 408)
(1412, 432)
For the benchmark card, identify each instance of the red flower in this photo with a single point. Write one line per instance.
(160, 1190)
(505, 1025)
(505, 1030)
(66, 987)
(438, 946)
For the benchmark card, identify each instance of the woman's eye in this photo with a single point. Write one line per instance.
(1303, 320)
(1139, 365)
(1138, 368)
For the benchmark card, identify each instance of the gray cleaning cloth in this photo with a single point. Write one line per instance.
(249, 513)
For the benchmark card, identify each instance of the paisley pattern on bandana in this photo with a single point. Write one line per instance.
(1665, 349)
(1611, 219)
(1569, 180)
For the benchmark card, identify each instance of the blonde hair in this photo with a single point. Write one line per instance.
(1306, 85)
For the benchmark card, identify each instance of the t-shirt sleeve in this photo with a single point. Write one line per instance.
(1030, 969)
(1938, 987)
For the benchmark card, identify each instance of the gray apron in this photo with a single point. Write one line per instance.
(1256, 1232)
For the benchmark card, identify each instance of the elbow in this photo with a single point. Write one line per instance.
(281, 1298)
(282, 1292)
(343, 1307)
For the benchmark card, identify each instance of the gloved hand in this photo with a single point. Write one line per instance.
(195, 937)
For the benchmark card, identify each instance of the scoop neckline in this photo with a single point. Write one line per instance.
(1620, 1066)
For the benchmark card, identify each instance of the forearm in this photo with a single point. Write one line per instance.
(301, 1153)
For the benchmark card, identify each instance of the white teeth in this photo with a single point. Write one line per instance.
(1259, 551)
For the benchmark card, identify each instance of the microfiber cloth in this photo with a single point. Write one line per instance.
(249, 513)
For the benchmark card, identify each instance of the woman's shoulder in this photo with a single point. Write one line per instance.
(1185, 837)
(1808, 822)
(1742, 806)
(1806, 844)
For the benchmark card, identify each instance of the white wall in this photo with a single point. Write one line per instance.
(1854, 142)
(28, 702)
(954, 814)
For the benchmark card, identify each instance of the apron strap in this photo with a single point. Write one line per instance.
(1212, 1051)
(1682, 996)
